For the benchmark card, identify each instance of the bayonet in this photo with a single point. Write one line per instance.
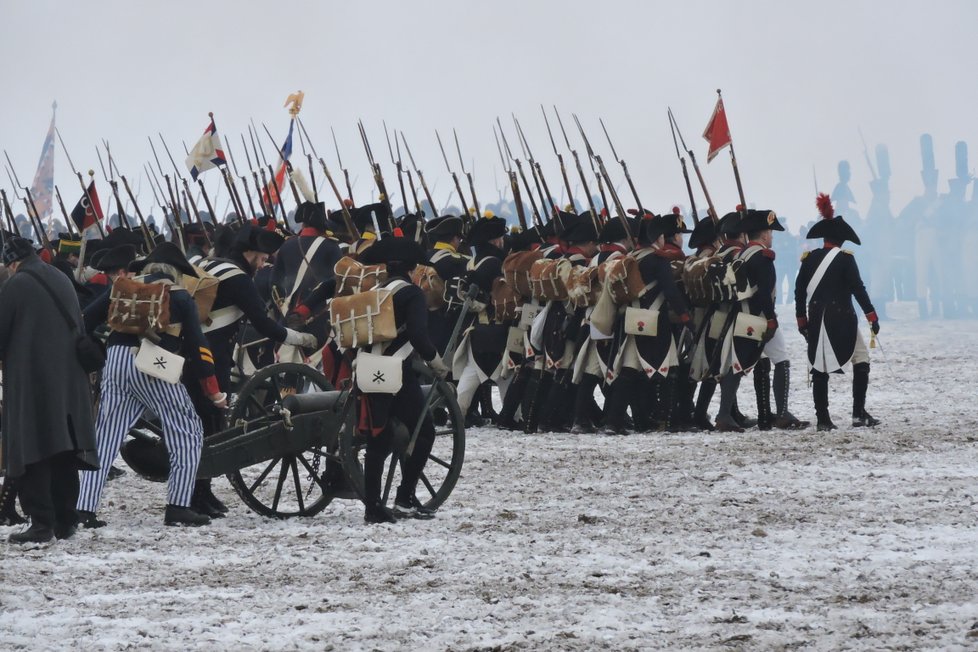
(424, 186)
(347, 217)
(682, 161)
(475, 201)
(624, 167)
(696, 168)
(458, 185)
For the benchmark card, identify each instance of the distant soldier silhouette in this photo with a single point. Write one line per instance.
(879, 229)
(842, 196)
(919, 217)
(951, 225)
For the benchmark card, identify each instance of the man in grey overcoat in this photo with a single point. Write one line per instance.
(48, 428)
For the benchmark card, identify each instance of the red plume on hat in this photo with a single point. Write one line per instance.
(824, 203)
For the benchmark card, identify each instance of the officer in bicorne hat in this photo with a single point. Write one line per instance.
(827, 282)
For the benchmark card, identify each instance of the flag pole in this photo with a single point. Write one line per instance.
(733, 162)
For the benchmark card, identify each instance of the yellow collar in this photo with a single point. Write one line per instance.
(444, 245)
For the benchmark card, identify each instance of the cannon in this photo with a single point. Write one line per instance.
(291, 445)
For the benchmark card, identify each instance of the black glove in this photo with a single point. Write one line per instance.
(875, 326)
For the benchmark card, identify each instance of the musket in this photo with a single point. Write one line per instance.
(385, 197)
(244, 182)
(81, 182)
(229, 183)
(188, 198)
(475, 200)
(32, 214)
(514, 183)
(156, 197)
(424, 186)
(253, 130)
(560, 159)
(114, 169)
(110, 179)
(12, 224)
(254, 176)
(174, 198)
(682, 161)
(815, 180)
(590, 158)
(869, 160)
(407, 173)
(397, 165)
(554, 209)
(347, 217)
(458, 186)
(268, 204)
(699, 175)
(64, 213)
(595, 217)
(622, 215)
(346, 172)
(312, 178)
(288, 166)
(624, 167)
(519, 166)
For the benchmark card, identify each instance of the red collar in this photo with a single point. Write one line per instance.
(830, 245)
(755, 242)
(612, 247)
(308, 230)
(100, 279)
(570, 251)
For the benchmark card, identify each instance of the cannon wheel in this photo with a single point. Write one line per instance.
(292, 485)
(444, 463)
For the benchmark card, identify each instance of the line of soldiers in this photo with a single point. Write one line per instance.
(578, 305)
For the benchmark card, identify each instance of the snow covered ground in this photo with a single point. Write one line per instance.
(856, 539)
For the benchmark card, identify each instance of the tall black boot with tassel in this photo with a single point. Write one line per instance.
(762, 388)
(860, 383)
(820, 393)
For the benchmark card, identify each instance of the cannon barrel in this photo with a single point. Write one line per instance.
(311, 402)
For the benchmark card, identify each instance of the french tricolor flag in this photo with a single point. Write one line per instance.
(207, 153)
(271, 194)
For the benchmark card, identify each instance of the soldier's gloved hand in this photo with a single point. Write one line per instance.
(803, 326)
(439, 367)
(476, 306)
(302, 340)
(772, 326)
(874, 322)
(220, 400)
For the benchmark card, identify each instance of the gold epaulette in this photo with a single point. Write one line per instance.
(804, 254)
(848, 251)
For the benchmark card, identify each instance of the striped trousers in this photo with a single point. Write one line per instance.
(126, 393)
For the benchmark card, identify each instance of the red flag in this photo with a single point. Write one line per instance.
(84, 214)
(717, 132)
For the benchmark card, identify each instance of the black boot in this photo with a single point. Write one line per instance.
(785, 420)
(741, 419)
(583, 399)
(668, 409)
(643, 400)
(820, 393)
(511, 402)
(701, 414)
(8, 504)
(376, 512)
(407, 505)
(485, 403)
(762, 388)
(616, 407)
(860, 383)
(36, 533)
(89, 520)
(177, 515)
(205, 502)
(535, 406)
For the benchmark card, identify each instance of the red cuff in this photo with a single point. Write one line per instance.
(871, 316)
(802, 322)
(302, 311)
(210, 386)
(684, 318)
(772, 324)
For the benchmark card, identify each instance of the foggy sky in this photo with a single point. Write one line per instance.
(798, 80)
